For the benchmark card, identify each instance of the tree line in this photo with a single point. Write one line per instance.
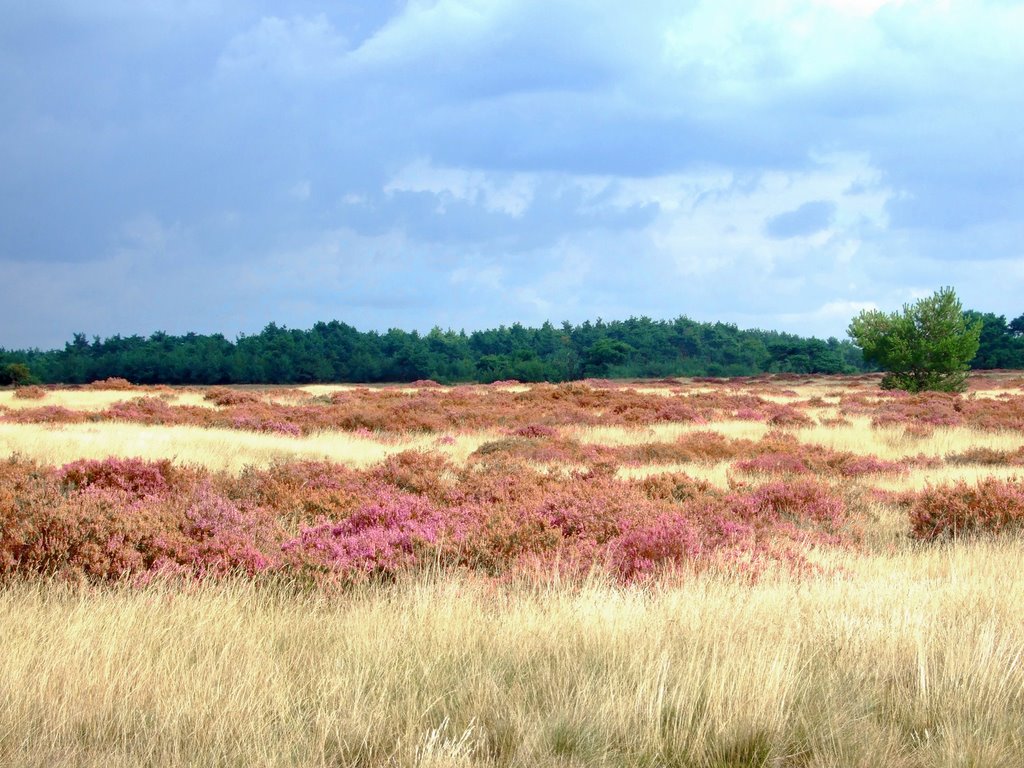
(337, 352)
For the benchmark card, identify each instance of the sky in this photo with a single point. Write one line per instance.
(215, 165)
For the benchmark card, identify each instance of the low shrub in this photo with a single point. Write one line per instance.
(990, 505)
(30, 393)
(113, 383)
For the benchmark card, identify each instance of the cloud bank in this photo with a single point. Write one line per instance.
(465, 163)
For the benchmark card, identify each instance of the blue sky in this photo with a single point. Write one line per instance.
(215, 165)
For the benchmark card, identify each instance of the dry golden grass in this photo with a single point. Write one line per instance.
(218, 449)
(663, 433)
(893, 443)
(918, 479)
(912, 659)
(92, 400)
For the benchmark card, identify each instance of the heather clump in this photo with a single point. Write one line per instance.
(675, 487)
(699, 446)
(1003, 413)
(258, 424)
(224, 536)
(302, 491)
(29, 393)
(417, 472)
(774, 457)
(947, 511)
(988, 457)
(225, 396)
(98, 534)
(646, 546)
(786, 416)
(804, 503)
(144, 410)
(135, 477)
(115, 383)
(541, 451)
(105, 520)
(535, 430)
(932, 409)
(93, 532)
(47, 414)
(395, 533)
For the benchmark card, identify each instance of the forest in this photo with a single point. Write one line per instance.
(337, 352)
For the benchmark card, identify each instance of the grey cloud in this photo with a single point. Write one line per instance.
(808, 219)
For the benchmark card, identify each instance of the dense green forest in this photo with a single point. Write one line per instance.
(336, 352)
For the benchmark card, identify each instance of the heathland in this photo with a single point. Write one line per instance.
(775, 571)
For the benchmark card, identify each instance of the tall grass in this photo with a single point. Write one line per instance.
(216, 449)
(910, 659)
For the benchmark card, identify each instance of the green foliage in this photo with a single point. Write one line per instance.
(1000, 345)
(17, 374)
(926, 347)
(336, 352)
(604, 353)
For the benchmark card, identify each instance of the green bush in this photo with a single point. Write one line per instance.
(926, 347)
(17, 374)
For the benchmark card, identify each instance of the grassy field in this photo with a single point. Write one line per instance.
(664, 574)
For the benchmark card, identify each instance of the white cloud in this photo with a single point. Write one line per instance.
(830, 311)
(713, 221)
(510, 194)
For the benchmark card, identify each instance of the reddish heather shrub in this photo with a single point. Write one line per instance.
(590, 507)
(25, 488)
(991, 505)
(773, 463)
(850, 465)
(749, 414)
(225, 537)
(676, 487)
(224, 396)
(417, 472)
(1003, 413)
(649, 546)
(114, 382)
(702, 446)
(48, 414)
(29, 393)
(798, 459)
(924, 409)
(136, 477)
(541, 451)
(146, 410)
(988, 457)
(838, 421)
(263, 425)
(303, 491)
(96, 533)
(786, 416)
(801, 502)
(380, 540)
